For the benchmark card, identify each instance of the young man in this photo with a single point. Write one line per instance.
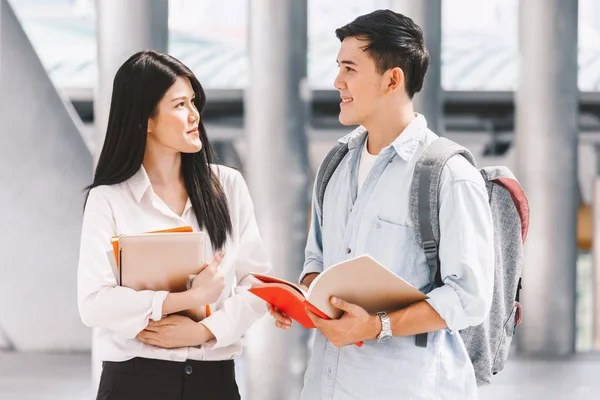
(382, 64)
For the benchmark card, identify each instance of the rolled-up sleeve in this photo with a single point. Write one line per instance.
(103, 304)
(242, 309)
(466, 254)
(313, 253)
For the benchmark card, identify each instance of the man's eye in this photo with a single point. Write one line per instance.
(348, 69)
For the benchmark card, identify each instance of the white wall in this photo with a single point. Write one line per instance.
(44, 166)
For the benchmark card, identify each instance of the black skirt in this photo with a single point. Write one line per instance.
(147, 379)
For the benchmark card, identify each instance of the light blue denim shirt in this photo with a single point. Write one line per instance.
(377, 221)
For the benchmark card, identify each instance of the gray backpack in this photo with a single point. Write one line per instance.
(487, 344)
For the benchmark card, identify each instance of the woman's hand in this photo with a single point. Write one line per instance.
(282, 320)
(175, 331)
(208, 285)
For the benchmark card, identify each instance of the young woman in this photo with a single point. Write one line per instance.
(155, 172)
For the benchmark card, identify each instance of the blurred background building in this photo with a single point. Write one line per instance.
(517, 82)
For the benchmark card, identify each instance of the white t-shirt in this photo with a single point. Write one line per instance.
(365, 164)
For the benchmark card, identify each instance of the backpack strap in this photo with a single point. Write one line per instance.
(328, 167)
(424, 205)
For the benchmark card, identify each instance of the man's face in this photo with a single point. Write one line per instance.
(360, 85)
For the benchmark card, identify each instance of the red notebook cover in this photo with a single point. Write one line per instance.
(288, 303)
(292, 304)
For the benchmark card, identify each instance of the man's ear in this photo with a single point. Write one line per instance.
(395, 79)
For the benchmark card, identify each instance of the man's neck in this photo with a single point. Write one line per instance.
(387, 126)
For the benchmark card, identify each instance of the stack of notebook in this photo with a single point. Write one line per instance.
(160, 260)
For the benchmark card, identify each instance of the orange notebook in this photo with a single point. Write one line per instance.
(115, 239)
(115, 248)
(361, 280)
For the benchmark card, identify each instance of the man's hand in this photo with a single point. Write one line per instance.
(356, 325)
(175, 331)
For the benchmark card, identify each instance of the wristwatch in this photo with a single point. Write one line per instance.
(386, 327)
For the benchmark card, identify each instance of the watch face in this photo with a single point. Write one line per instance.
(386, 332)
(384, 337)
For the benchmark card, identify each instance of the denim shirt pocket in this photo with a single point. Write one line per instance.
(395, 246)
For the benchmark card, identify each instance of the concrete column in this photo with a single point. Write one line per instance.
(4, 342)
(428, 15)
(546, 146)
(124, 27)
(227, 154)
(596, 251)
(276, 113)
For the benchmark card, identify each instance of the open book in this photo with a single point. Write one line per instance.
(361, 281)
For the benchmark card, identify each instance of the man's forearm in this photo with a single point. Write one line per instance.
(418, 318)
(309, 278)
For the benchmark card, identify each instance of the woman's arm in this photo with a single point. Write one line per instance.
(241, 310)
(101, 302)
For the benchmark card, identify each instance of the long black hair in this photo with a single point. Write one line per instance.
(139, 85)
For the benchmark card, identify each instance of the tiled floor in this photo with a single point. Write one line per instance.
(577, 378)
(26, 376)
(30, 376)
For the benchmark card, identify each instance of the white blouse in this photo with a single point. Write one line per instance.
(120, 313)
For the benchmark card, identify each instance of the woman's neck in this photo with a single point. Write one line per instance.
(163, 167)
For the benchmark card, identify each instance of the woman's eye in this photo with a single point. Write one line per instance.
(181, 104)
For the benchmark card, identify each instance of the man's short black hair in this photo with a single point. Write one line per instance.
(393, 40)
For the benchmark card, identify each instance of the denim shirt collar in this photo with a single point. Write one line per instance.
(406, 144)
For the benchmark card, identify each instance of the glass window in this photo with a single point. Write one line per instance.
(478, 53)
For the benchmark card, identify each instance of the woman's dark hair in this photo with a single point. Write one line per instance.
(139, 85)
(393, 40)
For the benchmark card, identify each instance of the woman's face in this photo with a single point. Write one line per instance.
(175, 125)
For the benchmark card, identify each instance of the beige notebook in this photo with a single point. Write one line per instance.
(365, 282)
(162, 261)
(361, 280)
